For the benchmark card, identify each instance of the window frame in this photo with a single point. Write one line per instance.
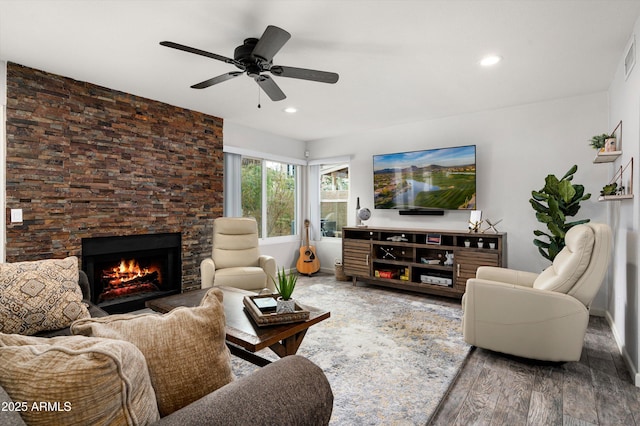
(316, 202)
(237, 198)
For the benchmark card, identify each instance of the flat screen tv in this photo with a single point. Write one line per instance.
(433, 179)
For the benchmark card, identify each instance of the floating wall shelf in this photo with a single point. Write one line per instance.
(618, 178)
(611, 156)
(607, 157)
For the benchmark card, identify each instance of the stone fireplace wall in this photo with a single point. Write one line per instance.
(87, 161)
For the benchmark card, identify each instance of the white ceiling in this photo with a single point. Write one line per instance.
(399, 61)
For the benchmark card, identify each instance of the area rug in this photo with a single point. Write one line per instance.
(389, 356)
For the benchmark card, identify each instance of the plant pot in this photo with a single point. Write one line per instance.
(285, 306)
(492, 245)
(467, 243)
(480, 245)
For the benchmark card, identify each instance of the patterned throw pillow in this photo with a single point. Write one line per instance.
(76, 380)
(40, 295)
(185, 349)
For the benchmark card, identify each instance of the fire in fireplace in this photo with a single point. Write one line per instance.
(128, 278)
(126, 271)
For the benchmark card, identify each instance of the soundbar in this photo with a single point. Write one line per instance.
(421, 212)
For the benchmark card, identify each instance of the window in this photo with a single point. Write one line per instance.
(334, 194)
(281, 199)
(269, 193)
(251, 190)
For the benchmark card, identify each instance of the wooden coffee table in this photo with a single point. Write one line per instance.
(244, 337)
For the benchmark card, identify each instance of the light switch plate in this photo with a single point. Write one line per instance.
(16, 215)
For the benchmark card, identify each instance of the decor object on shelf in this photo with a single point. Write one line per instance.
(492, 226)
(449, 261)
(434, 239)
(475, 226)
(467, 243)
(554, 203)
(388, 253)
(480, 243)
(397, 238)
(361, 214)
(364, 213)
(285, 284)
(475, 220)
(540, 316)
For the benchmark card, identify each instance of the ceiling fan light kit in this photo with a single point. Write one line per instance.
(255, 58)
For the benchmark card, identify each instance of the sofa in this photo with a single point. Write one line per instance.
(171, 369)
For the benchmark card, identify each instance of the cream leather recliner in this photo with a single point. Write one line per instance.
(539, 316)
(236, 260)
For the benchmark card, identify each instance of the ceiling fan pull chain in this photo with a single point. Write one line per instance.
(259, 106)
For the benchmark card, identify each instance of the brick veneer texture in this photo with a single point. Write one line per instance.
(87, 161)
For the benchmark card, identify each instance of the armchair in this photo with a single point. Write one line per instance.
(236, 260)
(540, 316)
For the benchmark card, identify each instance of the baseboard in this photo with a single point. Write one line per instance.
(625, 355)
(322, 270)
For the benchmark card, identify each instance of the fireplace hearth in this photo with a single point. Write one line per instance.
(126, 271)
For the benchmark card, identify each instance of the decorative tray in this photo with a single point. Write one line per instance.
(271, 317)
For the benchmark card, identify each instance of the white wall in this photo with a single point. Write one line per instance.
(516, 148)
(624, 296)
(238, 136)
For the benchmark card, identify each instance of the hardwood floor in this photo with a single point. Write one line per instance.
(496, 389)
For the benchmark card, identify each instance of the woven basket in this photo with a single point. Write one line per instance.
(340, 275)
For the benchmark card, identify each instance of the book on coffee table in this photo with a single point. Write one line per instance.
(268, 316)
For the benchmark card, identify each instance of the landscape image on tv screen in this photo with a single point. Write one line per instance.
(431, 179)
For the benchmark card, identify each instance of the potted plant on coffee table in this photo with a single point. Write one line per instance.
(285, 284)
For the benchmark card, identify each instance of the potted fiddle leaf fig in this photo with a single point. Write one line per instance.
(554, 203)
(285, 284)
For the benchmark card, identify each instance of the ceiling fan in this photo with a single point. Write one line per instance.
(255, 57)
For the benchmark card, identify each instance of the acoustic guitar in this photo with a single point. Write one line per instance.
(308, 263)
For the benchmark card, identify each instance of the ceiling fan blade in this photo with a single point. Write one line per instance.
(270, 87)
(305, 74)
(200, 52)
(216, 80)
(271, 42)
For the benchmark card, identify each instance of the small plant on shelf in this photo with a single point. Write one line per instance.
(610, 189)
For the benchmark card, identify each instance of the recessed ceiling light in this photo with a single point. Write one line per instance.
(490, 60)
(290, 110)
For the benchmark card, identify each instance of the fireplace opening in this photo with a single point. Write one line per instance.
(127, 277)
(126, 271)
